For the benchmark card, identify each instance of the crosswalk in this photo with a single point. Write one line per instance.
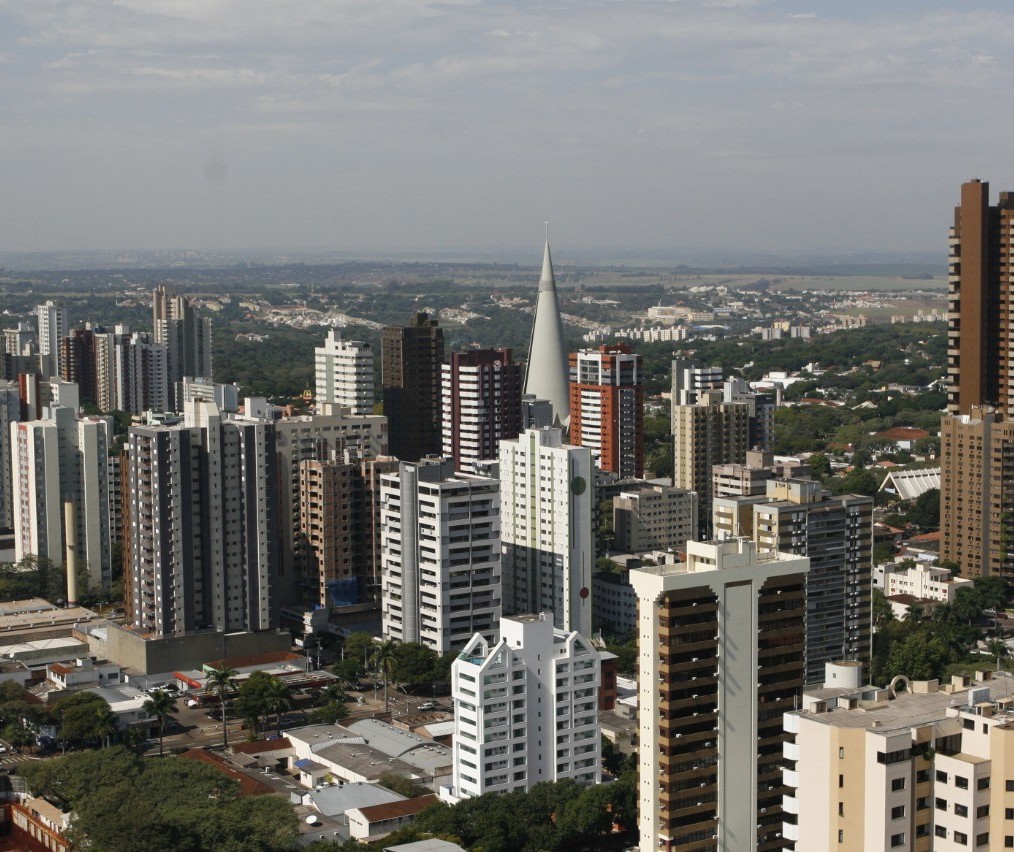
(12, 759)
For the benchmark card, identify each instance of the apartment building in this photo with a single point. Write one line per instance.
(836, 533)
(344, 374)
(653, 517)
(525, 709)
(750, 478)
(547, 492)
(201, 545)
(721, 639)
(481, 405)
(607, 407)
(411, 357)
(440, 555)
(912, 766)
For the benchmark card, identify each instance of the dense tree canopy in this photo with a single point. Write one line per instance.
(173, 803)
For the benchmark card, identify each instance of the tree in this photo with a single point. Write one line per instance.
(279, 701)
(348, 671)
(160, 705)
(83, 718)
(882, 612)
(359, 646)
(252, 699)
(385, 658)
(401, 785)
(414, 664)
(221, 682)
(820, 466)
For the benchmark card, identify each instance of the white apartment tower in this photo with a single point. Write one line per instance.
(344, 371)
(440, 555)
(53, 326)
(201, 543)
(525, 709)
(62, 458)
(10, 412)
(546, 495)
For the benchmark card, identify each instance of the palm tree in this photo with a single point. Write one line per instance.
(385, 658)
(160, 704)
(105, 725)
(277, 699)
(221, 682)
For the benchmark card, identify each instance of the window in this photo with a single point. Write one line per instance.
(960, 838)
(898, 812)
(897, 840)
(841, 809)
(1008, 813)
(941, 804)
(942, 779)
(940, 831)
(1010, 787)
(841, 836)
(841, 781)
(960, 782)
(982, 783)
(968, 724)
(982, 839)
(982, 811)
(960, 810)
(898, 784)
(1008, 842)
(841, 753)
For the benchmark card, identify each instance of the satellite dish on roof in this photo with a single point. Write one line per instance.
(312, 819)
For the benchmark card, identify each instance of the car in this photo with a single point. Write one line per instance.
(193, 702)
(428, 705)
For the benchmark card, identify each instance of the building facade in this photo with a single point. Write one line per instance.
(653, 517)
(201, 538)
(440, 555)
(913, 766)
(525, 709)
(411, 358)
(607, 407)
(836, 533)
(344, 374)
(481, 406)
(53, 327)
(721, 641)
(546, 497)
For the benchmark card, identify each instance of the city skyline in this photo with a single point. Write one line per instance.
(744, 125)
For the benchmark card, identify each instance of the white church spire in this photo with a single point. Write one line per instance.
(547, 374)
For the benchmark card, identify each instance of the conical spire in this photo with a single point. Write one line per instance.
(547, 374)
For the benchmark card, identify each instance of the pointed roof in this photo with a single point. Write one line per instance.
(547, 374)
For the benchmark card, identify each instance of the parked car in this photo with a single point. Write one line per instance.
(428, 705)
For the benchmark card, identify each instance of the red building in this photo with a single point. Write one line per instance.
(607, 407)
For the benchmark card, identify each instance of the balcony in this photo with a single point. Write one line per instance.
(790, 804)
(790, 831)
(790, 751)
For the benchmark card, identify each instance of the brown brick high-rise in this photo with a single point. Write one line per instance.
(411, 357)
(977, 438)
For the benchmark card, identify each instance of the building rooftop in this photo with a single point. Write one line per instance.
(394, 810)
(247, 786)
(432, 844)
(417, 751)
(332, 801)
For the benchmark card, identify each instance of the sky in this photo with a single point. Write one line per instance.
(375, 125)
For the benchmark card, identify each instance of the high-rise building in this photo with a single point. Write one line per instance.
(77, 361)
(546, 497)
(17, 351)
(977, 492)
(110, 362)
(720, 641)
(141, 373)
(10, 412)
(836, 533)
(481, 405)
(607, 407)
(750, 479)
(186, 336)
(326, 524)
(344, 372)
(708, 432)
(980, 349)
(53, 326)
(411, 357)
(440, 555)
(202, 545)
(525, 709)
(546, 376)
(57, 459)
(653, 517)
(690, 381)
(977, 474)
(343, 437)
(914, 765)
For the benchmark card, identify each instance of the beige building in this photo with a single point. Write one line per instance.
(750, 478)
(653, 517)
(705, 434)
(920, 766)
(977, 492)
(721, 659)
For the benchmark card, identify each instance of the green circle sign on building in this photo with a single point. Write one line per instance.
(578, 485)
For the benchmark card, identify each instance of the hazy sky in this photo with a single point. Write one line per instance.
(368, 124)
